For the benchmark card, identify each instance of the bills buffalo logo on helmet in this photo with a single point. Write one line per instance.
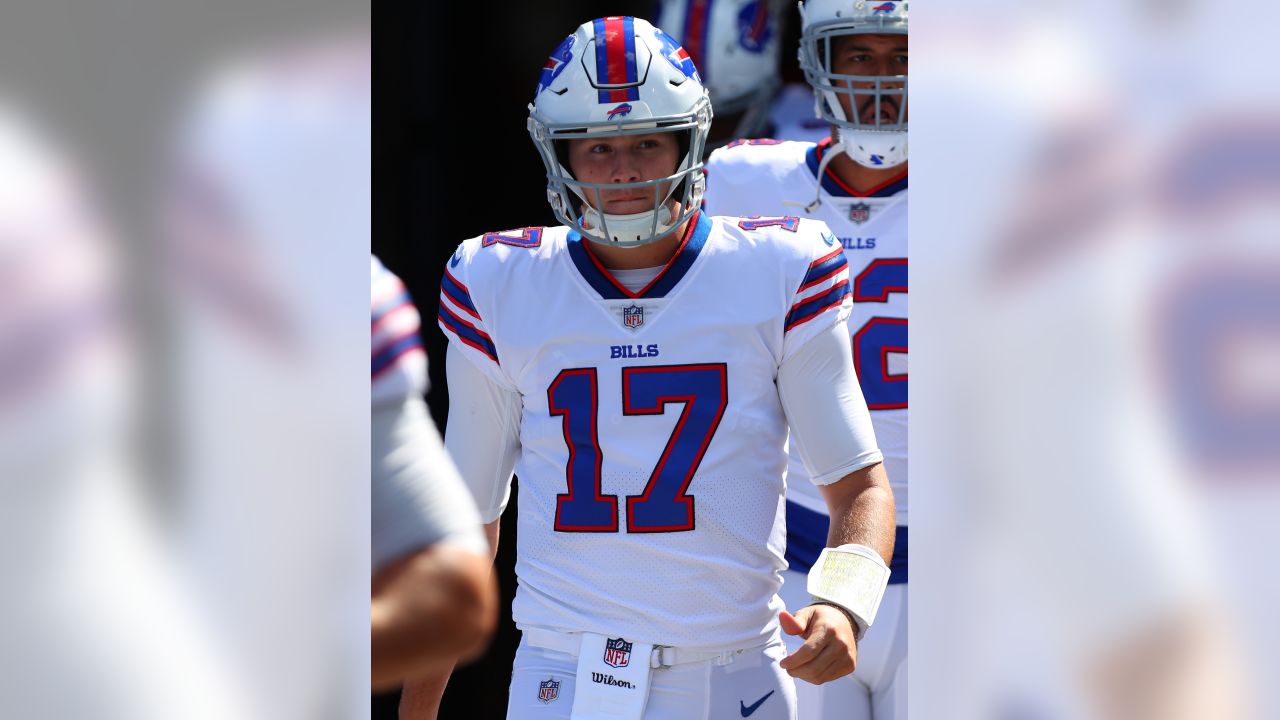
(548, 690)
(754, 26)
(617, 652)
(621, 111)
(883, 8)
(677, 55)
(555, 64)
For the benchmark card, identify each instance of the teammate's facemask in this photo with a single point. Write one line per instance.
(874, 134)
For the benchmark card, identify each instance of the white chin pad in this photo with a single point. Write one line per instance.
(853, 577)
(626, 228)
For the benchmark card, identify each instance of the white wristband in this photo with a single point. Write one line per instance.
(853, 577)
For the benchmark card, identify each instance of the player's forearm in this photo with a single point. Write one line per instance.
(862, 511)
(429, 610)
(491, 534)
(420, 699)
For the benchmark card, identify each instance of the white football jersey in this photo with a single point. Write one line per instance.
(759, 177)
(398, 365)
(652, 434)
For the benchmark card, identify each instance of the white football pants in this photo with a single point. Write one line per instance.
(877, 689)
(750, 686)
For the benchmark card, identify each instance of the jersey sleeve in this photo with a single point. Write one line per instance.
(822, 295)
(416, 496)
(744, 178)
(713, 196)
(729, 177)
(462, 319)
(398, 364)
(483, 433)
(831, 428)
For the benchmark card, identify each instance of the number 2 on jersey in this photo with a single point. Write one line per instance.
(665, 505)
(880, 335)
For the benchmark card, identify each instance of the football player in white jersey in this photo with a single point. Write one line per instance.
(855, 57)
(433, 598)
(639, 367)
(735, 44)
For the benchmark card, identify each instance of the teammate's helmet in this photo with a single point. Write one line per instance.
(619, 76)
(736, 46)
(878, 143)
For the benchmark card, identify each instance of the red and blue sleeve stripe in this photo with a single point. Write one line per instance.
(458, 293)
(385, 357)
(454, 292)
(616, 58)
(466, 332)
(824, 268)
(803, 312)
(382, 310)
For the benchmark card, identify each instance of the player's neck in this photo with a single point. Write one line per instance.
(655, 254)
(861, 177)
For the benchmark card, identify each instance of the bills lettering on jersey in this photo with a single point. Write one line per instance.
(858, 243)
(633, 351)
(617, 652)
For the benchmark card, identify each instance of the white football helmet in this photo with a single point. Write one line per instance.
(735, 45)
(879, 143)
(618, 76)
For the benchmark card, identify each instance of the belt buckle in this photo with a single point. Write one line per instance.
(657, 659)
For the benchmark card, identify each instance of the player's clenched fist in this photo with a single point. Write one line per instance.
(830, 649)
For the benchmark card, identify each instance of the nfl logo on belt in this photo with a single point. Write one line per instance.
(860, 213)
(548, 690)
(632, 317)
(617, 652)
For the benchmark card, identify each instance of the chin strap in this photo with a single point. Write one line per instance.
(835, 149)
(626, 225)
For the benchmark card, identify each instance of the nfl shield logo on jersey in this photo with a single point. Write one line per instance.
(632, 318)
(617, 652)
(860, 213)
(548, 690)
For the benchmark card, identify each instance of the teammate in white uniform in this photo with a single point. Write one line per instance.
(433, 598)
(639, 369)
(735, 44)
(856, 181)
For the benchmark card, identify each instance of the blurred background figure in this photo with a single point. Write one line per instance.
(1070, 283)
(92, 612)
(266, 212)
(736, 46)
(208, 379)
(433, 598)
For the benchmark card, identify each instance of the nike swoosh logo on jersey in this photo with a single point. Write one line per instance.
(746, 710)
